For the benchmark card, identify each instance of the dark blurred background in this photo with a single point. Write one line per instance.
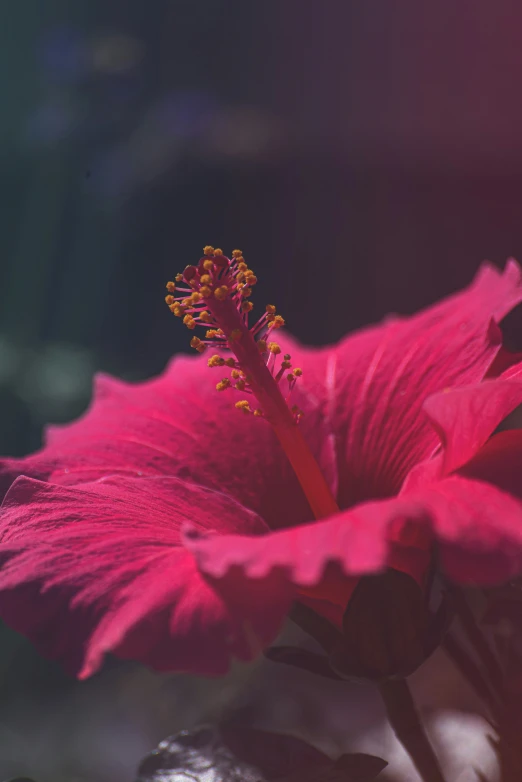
(365, 156)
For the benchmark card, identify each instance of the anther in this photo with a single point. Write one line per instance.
(242, 266)
(205, 291)
(221, 293)
(237, 254)
(243, 405)
(216, 361)
(235, 335)
(230, 362)
(179, 277)
(205, 279)
(196, 343)
(298, 372)
(278, 322)
(170, 300)
(208, 250)
(274, 348)
(208, 265)
(171, 287)
(223, 384)
(270, 309)
(247, 306)
(204, 316)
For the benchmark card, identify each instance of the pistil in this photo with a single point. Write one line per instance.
(215, 294)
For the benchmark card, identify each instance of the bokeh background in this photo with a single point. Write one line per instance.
(365, 156)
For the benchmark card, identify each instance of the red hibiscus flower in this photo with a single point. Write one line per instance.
(168, 527)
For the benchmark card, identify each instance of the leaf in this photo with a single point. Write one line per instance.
(278, 755)
(240, 754)
(199, 756)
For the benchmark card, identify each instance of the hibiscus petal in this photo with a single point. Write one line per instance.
(478, 528)
(465, 418)
(499, 462)
(379, 379)
(178, 424)
(98, 569)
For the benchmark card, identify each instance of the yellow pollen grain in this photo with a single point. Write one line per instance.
(197, 344)
(298, 372)
(170, 300)
(216, 361)
(250, 279)
(223, 384)
(247, 306)
(246, 291)
(286, 365)
(177, 310)
(205, 279)
(240, 277)
(235, 374)
(205, 291)
(236, 253)
(179, 277)
(258, 413)
(278, 322)
(208, 249)
(211, 333)
(270, 309)
(171, 287)
(240, 385)
(274, 348)
(204, 316)
(221, 292)
(195, 297)
(243, 405)
(242, 267)
(218, 251)
(230, 362)
(208, 265)
(189, 322)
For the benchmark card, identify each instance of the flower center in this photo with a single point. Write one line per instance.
(215, 294)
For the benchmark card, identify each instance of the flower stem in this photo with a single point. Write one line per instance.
(406, 723)
(472, 673)
(477, 639)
